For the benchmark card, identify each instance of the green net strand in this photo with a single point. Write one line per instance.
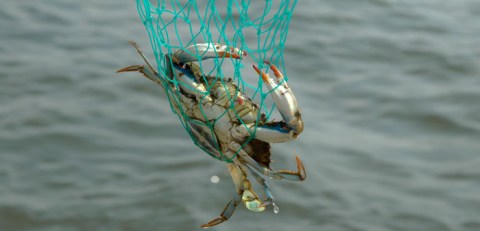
(259, 28)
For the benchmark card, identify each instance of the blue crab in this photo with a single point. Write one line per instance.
(234, 118)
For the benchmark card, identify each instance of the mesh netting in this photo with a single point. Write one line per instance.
(258, 28)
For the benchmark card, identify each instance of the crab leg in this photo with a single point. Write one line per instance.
(245, 193)
(249, 197)
(266, 188)
(237, 198)
(148, 71)
(284, 98)
(298, 175)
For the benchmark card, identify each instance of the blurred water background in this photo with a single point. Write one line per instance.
(389, 91)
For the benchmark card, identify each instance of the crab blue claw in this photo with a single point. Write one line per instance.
(274, 132)
(284, 99)
(202, 51)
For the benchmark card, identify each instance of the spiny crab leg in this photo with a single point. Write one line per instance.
(284, 98)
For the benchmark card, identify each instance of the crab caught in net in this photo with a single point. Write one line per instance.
(225, 115)
(222, 120)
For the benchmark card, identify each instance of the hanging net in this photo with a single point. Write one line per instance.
(258, 28)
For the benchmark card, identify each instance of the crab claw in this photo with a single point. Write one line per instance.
(284, 99)
(202, 51)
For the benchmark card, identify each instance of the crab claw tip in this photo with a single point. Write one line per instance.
(227, 54)
(256, 68)
(264, 76)
(301, 169)
(129, 69)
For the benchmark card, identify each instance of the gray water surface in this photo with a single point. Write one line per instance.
(389, 91)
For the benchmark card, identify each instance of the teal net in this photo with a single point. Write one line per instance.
(258, 28)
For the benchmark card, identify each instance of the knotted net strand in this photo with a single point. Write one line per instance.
(258, 28)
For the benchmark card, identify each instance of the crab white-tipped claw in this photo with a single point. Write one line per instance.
(284, 99)
(202, 51)
(277, 73)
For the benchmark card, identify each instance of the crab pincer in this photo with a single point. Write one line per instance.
(284, 99)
